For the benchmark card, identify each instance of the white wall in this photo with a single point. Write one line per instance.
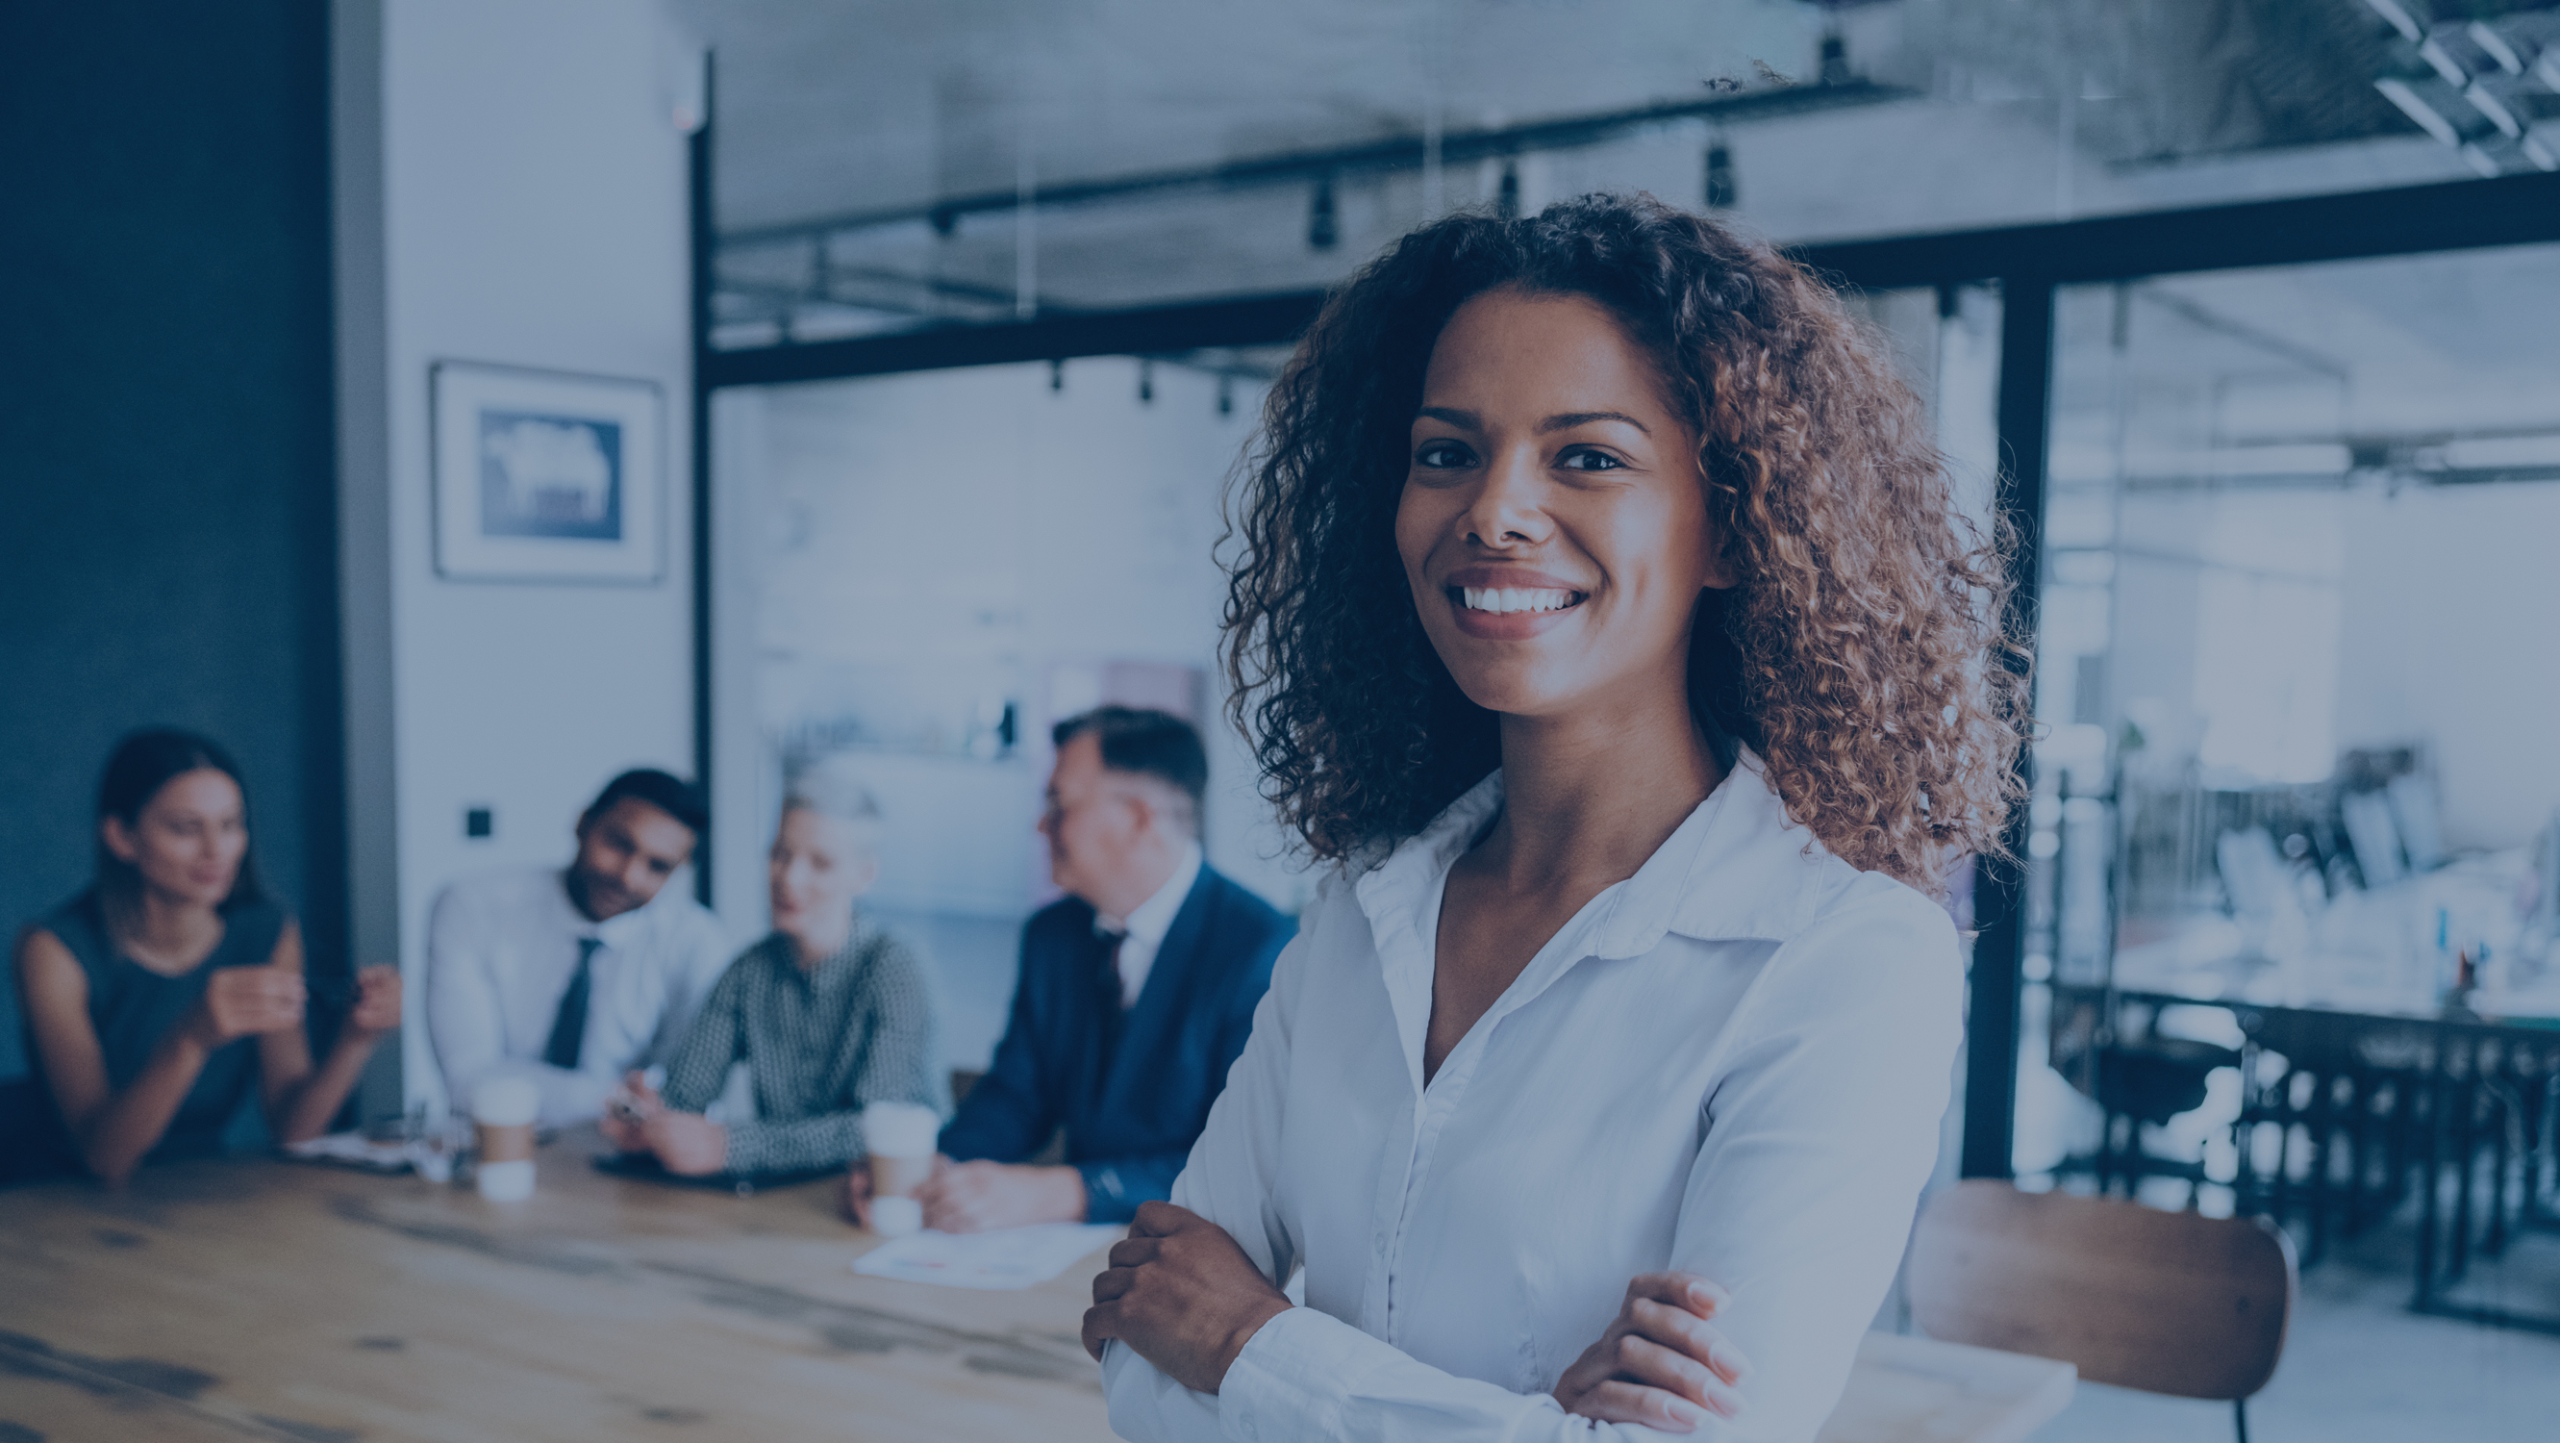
(2335, 620)
(512, 190)
(2452, 636)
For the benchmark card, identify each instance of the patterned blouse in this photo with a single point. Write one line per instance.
(818, 1044)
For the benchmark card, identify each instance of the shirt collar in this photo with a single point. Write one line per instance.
(1735, 868)
(1152, 918)
(836, 966)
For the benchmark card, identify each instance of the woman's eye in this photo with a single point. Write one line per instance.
(1588, 460)
(1441, 455)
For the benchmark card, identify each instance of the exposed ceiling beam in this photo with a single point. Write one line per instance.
(1401, 152)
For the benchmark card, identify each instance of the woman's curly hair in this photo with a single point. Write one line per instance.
(1866, 654)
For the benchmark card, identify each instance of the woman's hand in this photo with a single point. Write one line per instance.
(377, 1008)
(1660, 1363)
(689, 1144)
(1183, 1294)
(627, 1112)
(245, 1001)
(853, 1195)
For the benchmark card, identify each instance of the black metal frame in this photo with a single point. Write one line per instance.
(702, 242)
(2027, 262)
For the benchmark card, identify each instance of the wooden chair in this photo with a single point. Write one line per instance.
(2174, 1303)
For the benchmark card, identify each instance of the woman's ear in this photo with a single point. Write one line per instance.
(119, 840)
(1721, 574)
(863, 871)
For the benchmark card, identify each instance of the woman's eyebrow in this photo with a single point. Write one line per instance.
(1567, 420)
(1463, 420)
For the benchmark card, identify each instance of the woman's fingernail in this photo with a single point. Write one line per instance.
(1729, 1404)
(1686, 1414)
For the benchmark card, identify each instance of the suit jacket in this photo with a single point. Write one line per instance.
(1133, 1106)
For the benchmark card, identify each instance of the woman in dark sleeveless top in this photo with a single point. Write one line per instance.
(161, 997)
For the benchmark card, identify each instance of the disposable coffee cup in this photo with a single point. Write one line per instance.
(896, 1217)
(900, 1138)
(504, 1108)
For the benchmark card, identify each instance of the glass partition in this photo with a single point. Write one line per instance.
(2294, 675)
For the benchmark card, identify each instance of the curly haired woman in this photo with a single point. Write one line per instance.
(1605, 617)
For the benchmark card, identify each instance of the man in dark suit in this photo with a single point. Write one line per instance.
(1136, 994)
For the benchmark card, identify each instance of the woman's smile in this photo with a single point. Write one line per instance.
(1509, 603)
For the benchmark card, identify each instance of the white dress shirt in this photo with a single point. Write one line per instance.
(1142, 931)
(1733, 1063)
(501, 949)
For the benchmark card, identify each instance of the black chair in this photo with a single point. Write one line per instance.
(2346, 1100)
(2108, 1047)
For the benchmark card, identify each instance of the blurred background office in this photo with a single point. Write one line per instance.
(926, 338)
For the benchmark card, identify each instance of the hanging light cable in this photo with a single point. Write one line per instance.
(1721, 194)
(1323, 228)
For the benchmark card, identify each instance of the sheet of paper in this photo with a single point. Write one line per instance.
(353, 1148)
(1009, 1258)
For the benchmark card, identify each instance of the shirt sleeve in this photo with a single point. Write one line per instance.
(717, 1036)
(463, 1018)
(701, 954)
(1819, 1137)
(801, 1144)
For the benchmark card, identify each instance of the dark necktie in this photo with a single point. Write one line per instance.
(1106, 997)
(569, 1028)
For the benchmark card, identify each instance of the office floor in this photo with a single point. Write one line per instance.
(2359, 1366)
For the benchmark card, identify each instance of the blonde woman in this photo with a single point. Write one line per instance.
(829, 1012)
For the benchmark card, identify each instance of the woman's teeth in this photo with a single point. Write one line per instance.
(1500, 599)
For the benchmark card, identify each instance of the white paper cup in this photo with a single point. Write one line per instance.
(506, 1181)
(899, 1129)
(505, 1100)
(895, 1217)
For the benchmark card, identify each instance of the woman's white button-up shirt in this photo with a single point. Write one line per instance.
(1733, 1062)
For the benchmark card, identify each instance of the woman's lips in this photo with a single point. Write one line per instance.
(1510, 613)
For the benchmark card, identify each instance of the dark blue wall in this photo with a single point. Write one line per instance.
(167, 465)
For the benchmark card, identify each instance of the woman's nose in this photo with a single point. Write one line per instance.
(1506, 509)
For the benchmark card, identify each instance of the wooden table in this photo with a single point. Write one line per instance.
(254, 1299)
(300, 1304)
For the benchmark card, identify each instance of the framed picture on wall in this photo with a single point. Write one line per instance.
(547, 476)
